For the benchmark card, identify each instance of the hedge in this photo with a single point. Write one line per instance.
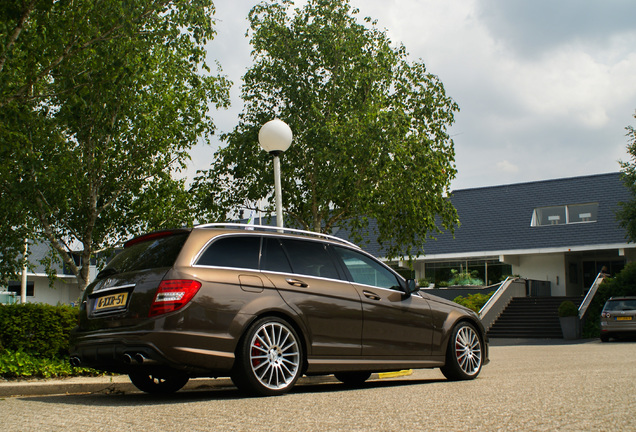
(473, 301)
(39, 330)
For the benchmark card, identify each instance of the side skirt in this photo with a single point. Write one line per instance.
(331, 365)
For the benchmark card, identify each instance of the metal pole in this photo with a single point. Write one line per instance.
(278, 192)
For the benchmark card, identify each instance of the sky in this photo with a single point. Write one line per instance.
(545, 87)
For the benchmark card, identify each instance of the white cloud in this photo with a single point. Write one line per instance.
(507, 167)
(546, 87)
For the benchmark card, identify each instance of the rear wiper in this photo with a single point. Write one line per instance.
(107, 272)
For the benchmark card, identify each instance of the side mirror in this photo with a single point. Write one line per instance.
(411, 287)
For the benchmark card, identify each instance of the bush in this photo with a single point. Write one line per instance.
(39, 330)
(624, 284)
(18, 364)
(473, 301)
(568, 309)
(464, 279)
(34, 341)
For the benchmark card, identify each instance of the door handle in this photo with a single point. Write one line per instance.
(370, 295)
(296, 283)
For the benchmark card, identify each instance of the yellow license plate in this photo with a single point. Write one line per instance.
(623, 318)
(113, 301)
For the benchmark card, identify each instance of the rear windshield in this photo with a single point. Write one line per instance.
(620, 305)
(157, 252)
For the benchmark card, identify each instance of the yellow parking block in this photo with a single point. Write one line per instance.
(395, 374)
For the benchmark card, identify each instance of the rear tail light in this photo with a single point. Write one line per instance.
(606, 314)
(172, 295)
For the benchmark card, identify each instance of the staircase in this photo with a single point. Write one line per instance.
(530, 317)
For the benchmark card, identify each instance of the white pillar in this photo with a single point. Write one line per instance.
(23, 285)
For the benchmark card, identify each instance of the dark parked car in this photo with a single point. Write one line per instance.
(264, 307)
(618, 318)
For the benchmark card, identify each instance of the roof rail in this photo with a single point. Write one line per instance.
(276, 229)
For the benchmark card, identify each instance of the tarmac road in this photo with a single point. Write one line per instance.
(535, 386)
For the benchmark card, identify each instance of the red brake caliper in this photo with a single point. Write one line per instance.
(256, 352)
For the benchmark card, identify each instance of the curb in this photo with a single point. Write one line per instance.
(91, 385)
(120, 384)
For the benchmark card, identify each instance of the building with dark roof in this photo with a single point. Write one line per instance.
(562, 231)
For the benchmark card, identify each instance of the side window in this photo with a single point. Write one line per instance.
(310, 258)
(234, 251)
(274, 258)
(365, 270)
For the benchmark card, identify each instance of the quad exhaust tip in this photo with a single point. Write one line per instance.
(137, 358)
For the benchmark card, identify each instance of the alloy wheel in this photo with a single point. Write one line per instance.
(274, 356)
(468, 350)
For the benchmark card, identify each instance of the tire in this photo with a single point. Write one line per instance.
(270, 358)
(464, 353)
(158, 382)
(605, 338)
(352, 378)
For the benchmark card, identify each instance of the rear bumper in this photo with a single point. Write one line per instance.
(130, 351)
(618, 326)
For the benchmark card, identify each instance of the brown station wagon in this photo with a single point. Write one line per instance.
(264, 306)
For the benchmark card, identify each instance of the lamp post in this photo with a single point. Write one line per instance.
(275, 137)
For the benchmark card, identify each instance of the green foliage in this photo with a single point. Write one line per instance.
(100, 104)
(40, 330)
(464, 279)
(623, 284)
(424, 282)
(568, 309)
(626, 214)
(370, 130)
(19, 364)
(34, 341)
(474, 301)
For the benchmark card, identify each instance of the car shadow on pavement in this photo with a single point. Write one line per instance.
(115, 399)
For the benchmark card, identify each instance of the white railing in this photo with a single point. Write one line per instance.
(590, 294)
(509, 288)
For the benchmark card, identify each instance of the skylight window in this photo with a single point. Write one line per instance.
(565, 214)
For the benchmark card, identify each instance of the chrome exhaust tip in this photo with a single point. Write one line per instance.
(127, 359)
(75, 361)
(140, 358)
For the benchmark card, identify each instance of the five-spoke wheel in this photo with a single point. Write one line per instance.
(464, 353)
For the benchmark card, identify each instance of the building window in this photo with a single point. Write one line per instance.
(583, 213)
(16, 288)
(565, 214)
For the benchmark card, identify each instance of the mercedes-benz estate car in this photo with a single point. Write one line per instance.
(264, 306)
(618, 318)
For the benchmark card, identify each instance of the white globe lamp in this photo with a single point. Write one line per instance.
(275, 137)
